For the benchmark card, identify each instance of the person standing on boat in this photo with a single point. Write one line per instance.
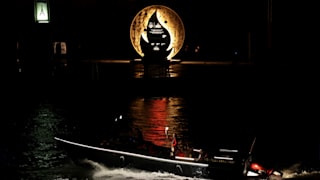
(173, 145)
(200, 156)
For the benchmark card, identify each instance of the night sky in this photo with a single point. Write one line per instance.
(219, 27)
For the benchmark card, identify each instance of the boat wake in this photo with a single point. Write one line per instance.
(101, 172)
(295, 171)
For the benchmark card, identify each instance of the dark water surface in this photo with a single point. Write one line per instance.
(204, 105)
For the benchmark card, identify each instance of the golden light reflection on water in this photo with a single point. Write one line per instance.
(173, 71)
(153, 115)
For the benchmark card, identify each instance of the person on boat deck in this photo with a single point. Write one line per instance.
(137, 139)
(138, 135)
(200, 156)
(173, 145)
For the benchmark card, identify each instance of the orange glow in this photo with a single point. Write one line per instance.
(168, 18)
(256, 166)
(153, 115)
(158, 116)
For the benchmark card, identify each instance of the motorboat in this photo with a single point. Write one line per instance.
(221, 163)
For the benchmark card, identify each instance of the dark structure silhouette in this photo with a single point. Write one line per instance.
(155, 49)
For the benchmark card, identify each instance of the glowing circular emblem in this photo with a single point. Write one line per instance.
(155, 20)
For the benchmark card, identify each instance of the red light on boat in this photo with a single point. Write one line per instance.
(256, 166)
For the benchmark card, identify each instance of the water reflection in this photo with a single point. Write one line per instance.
(153, 114)
(156, 71)
(33, 149)
(40, 147)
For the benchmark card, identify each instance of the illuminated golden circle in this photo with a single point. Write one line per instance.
(168, 18)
